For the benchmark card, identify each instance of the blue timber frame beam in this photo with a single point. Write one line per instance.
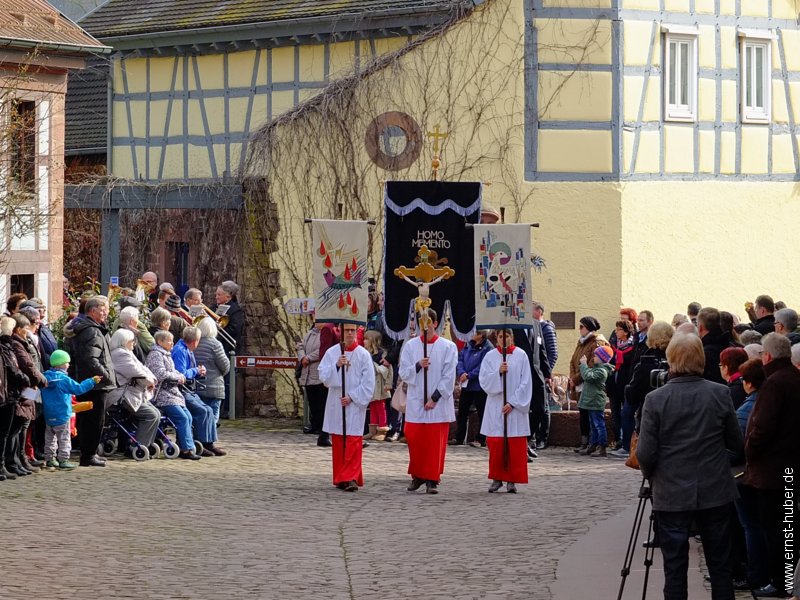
(112, 199)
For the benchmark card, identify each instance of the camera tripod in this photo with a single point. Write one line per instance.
(645, 496)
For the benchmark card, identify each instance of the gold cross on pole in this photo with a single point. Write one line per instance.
(435, 161)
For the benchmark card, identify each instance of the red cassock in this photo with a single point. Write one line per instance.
(517, 469)
(347, 460)
(427, 446)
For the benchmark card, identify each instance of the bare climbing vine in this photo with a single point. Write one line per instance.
(465, 76)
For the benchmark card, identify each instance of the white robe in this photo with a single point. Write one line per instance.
(443, 357)
(518, 393)
(359, 382)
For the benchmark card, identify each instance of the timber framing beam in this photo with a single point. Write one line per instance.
(221, 196)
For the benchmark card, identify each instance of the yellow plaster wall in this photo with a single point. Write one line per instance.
(755, 141)
(576, 3)
(574, 95)
(692, 241)
(636, 40)
(574, 41)
(785, 9)
(782, 154)
(678, 144)
(651, 5)
(558, 151)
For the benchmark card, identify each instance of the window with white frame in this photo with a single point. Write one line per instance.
(680, 73)
(756, 74)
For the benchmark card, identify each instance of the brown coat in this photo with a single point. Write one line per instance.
(593, 340)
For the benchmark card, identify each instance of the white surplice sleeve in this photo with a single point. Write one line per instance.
(489, 376)
(520, 396)
(448, 379)
(407, 370)
(364, 373)
(329, 374)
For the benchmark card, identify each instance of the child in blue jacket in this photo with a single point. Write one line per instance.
(57, 406)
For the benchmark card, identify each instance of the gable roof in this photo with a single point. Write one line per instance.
(36, 24)
(123, 18)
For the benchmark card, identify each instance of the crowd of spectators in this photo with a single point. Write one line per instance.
(154, 359)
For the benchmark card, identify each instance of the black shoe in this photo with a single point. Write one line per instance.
(2, 477)
(206, 453)
(35, 462)
(18, 470)
(415, 484)
(92, 462)
(431, 487)
(541, 445)
(7, 474)
(530, 460)
(393, 438)
(351, 486)
(309, 429)
(532, 453)
(741, 585)
(188, 455)
(325, 442)
(101, 459)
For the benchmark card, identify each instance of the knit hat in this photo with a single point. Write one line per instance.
(604, 353)
(59, 358)
(173, 303)
(590, 323)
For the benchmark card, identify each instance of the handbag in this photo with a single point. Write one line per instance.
(399, 398)
(632, 461)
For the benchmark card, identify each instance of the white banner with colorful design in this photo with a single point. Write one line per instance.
(502, 276)
(339, 275)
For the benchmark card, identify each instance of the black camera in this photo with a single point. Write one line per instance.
(659, 375)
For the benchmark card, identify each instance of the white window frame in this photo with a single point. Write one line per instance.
(753, 38)
(685, 113)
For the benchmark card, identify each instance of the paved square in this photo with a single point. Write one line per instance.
(265, 522)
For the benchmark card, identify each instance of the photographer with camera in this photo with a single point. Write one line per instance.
(688, 426)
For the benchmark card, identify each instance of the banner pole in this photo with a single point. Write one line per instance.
(344, 393)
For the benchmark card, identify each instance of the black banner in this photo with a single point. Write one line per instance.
(433, 214)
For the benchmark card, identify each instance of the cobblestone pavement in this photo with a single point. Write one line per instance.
(265, 522)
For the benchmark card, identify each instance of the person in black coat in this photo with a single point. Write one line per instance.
(12, 382)
(531, 342)
(764, 309)
(714, 342)
(88, 342)
(227, 294)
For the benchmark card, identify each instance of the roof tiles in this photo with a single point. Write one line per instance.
(33, 22)
(123, 17)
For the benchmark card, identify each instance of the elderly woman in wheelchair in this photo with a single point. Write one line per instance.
(136, 385)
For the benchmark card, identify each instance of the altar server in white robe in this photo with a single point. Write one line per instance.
(427, 422)
(514, 468)
(359, 384)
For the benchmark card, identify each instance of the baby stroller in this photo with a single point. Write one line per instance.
(120, 430)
